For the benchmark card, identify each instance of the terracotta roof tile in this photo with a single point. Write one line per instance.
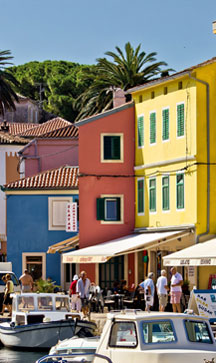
(63, 132)
(65, 177)
(17, 128)
(51, 125)
(6, 138)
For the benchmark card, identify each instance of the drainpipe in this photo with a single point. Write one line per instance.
(208, 161)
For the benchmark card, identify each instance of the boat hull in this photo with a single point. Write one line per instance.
(42, 335)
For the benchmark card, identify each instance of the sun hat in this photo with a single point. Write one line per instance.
(75, 277)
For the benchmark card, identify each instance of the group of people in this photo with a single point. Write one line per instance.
(79, 291)
(163, 289)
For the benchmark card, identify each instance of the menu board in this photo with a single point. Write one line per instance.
(203, 303)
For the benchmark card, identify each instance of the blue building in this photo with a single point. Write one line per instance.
(36, 222)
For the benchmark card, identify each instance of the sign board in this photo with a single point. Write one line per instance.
(203, 303)
(71, 217)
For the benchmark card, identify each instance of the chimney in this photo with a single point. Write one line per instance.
(118, 97)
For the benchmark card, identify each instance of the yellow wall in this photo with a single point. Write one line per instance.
(192, 144)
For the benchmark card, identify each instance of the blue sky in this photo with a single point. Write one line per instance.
(180, 31)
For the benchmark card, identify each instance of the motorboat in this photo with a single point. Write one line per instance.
(40, 320)
(77, 346)
(137, 336)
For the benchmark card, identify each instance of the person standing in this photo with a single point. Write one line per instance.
(7, 296)
(26, 282)
(149, 289)
(75, 302)
(176, 290)
(82, 288)
(162, 289)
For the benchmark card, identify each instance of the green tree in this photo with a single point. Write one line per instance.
(7, 83)
(123, 71)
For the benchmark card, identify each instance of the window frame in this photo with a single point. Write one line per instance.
(113, 134)
(159, 321)
(140, 146)
(164, 109)
(179, 104)
(183, 208)
(113, 196)
(155, 124)
(153, 210)
(124, 345)
(197, 321)
(138, 180)
(165, 176)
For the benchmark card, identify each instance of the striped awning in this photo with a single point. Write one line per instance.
(65, 245)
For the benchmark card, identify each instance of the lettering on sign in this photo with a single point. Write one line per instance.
(205, 261)
(185, 262)
(71, 217)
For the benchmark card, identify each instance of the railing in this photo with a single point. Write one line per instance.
(63, 358)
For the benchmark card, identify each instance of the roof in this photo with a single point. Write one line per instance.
(105, 113)
(65, 177)
(169, 78)
(51, 125)
(6, 138)
(17, 128)
(137, 315)
(63, 132)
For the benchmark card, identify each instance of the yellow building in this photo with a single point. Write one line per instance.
(175, 160)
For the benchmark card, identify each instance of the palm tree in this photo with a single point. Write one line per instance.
(7, 81)
(124, 71)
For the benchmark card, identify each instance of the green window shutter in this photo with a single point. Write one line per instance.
(180, 191)
(112, 147)
(152, 195)
(118, 206)
(165, 193)
(152, 128)
(140, 195)
(180, 120)
(140, 126)
(165, 116)
(100, 209)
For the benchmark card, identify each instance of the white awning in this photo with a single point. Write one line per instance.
(121, 246)
(201, 254)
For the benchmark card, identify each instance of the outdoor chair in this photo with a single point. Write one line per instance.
(129, 301)
(108, 301)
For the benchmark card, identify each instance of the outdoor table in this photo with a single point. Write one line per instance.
(118, 300)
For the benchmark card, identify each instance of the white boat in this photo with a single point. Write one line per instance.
(41, 320)
(78, 346)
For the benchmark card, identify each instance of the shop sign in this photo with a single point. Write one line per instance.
(203, 303)
(71, 217)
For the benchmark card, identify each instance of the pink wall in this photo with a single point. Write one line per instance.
(91, 187)
(52, 153)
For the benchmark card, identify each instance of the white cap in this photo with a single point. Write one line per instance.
(75, 277)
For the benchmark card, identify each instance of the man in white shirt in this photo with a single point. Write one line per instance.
(82, 288)
(162, 288)
(176, 290)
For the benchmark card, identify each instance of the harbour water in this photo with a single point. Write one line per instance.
(9, 356)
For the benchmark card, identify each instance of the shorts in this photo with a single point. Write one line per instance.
(26, 288)
(175, 297)
(149, 299)
(162, 300)
(7, 300)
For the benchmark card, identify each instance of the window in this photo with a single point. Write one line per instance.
(165, 116)
(109, 209)
(180, 85)
(140, 195)
(152, 195)
(198, 332)
(180, 191)
(140, 98)
(111, 148)
(165, 192)
(140, 127)
(152, 95)
(25, 303)
(180, 120)
(111, 271)
(35, 263)
(62, 303)
(45, 303)
(152, 128)
(165, 90)
(123, 334)
(158, 332)
(57, 212)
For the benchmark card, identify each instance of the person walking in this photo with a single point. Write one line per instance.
(75, 301)
(82, 288)
(7, 296)
(148, 286)
(176, 290)
(26, 282)
(162, 288)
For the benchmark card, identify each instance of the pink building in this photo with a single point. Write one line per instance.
(106, 185)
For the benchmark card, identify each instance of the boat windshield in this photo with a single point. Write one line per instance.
(158, 332)
(198, 332)
(25, 303)
(62, 303)
(45, 303)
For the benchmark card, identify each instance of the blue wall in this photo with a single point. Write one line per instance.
(27, 231)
